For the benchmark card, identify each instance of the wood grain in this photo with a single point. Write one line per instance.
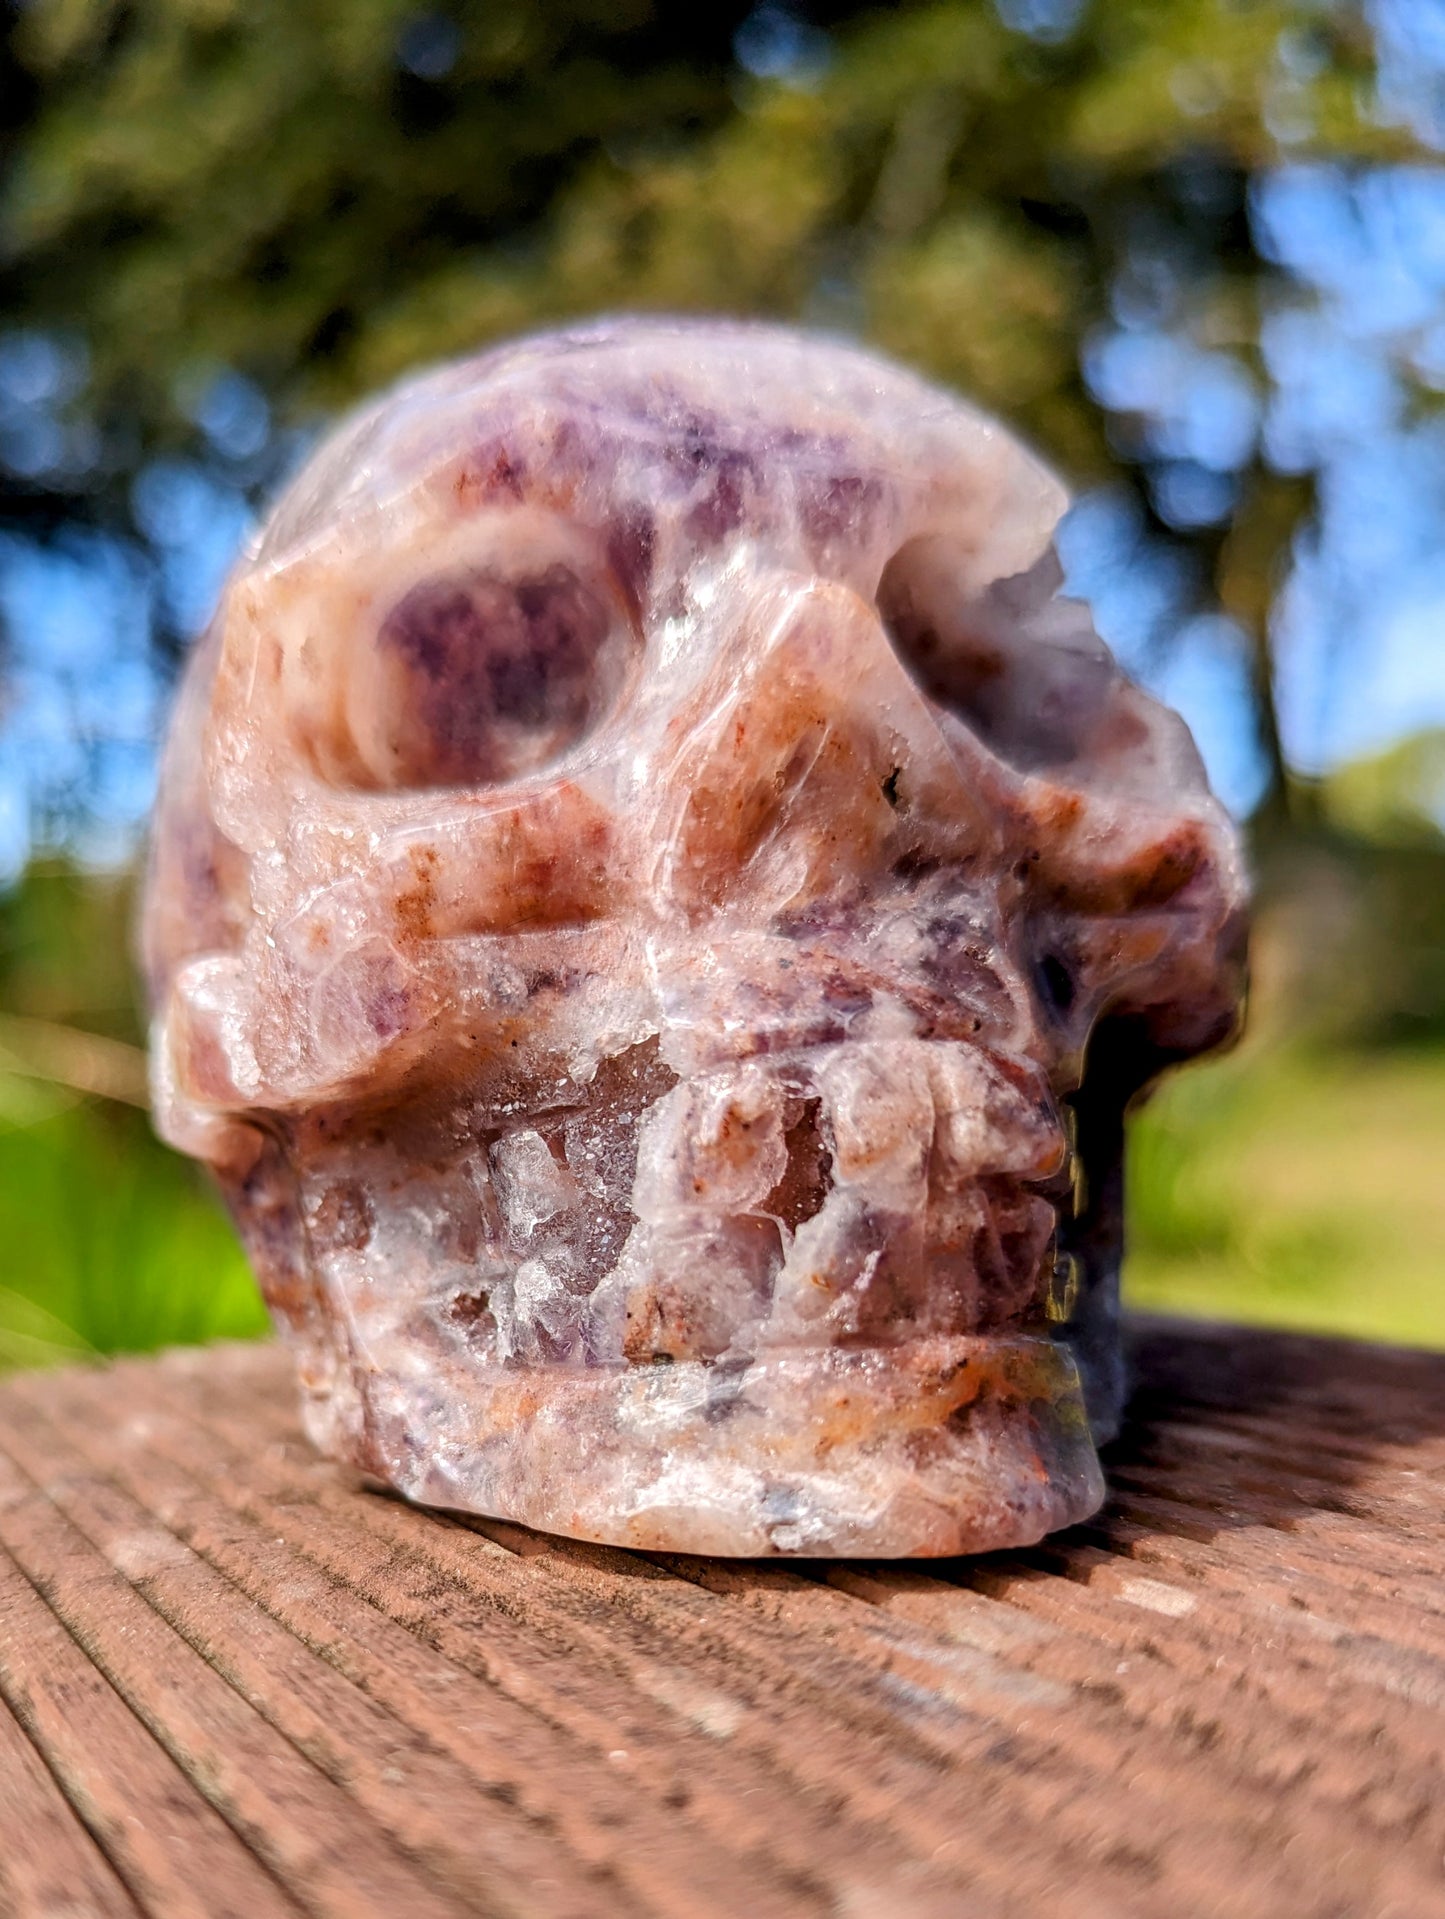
(232, 1681)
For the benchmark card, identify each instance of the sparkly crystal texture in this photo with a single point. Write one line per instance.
(657, 908)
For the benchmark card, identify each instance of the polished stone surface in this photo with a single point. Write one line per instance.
(657, 908)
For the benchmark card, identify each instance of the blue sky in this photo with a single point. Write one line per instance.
(1360, 624)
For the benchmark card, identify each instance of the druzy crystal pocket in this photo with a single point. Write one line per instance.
(657, 909)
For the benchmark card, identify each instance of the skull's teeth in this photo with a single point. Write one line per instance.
(921, 1183)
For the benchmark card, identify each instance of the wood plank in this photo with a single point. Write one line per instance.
(697, 1702)
(158, 1831)
(1060, 1787)
(293, 1819)
(660, 1729)
(1222, 1697)
(401, 1783)
(50, 1867)
(581, 1837)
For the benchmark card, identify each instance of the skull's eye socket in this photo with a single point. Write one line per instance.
(478, 677)
(1020, 665)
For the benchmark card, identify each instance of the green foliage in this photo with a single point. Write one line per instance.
(253, 185)
(1297, 1182)
(1294, 1187)
(1355, 937)
(66, 950)
(1396, 797)
(266, 187)
(112, 1243)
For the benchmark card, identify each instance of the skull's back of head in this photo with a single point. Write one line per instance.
(657, 909)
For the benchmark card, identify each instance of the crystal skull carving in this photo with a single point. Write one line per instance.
(656, 911)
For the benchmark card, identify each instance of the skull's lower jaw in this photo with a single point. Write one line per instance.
(891, 1376)
(942, 1445)
(929, 1445)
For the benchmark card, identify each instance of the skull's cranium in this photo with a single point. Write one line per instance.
(656, 911)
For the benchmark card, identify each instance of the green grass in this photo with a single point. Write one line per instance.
(108, 1242)
(1300, 1189)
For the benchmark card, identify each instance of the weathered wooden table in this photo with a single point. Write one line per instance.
(233, 1683)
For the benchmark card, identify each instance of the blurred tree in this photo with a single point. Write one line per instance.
(208, 206)
(1395, 796)
(215, 210)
